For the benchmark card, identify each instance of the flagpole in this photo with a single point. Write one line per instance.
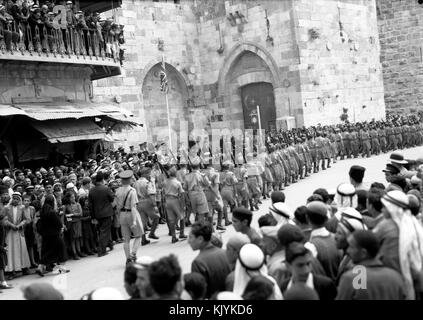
(259, 121)
(167, 109)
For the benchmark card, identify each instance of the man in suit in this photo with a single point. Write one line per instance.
(299, 262)
(100, 201)
(381, 282)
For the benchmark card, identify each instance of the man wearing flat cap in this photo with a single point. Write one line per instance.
(130, 220)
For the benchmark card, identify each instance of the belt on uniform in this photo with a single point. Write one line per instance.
(125, 210)
(171, 196)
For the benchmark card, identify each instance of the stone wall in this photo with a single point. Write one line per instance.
(401, 31)
(212, 58)
(37, 81)
(339, 60)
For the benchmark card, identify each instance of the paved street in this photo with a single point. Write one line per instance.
(92, 272)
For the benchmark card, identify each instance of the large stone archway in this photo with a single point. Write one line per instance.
(154, 104)
(245, 65)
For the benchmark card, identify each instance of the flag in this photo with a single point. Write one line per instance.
(163, 78)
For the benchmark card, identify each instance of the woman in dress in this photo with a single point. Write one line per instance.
(73, 213)
(17, 253)
(51, 228)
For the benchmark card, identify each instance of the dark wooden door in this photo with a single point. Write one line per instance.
(260, 94)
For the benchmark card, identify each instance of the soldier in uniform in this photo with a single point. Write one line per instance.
(146, 192)
(276, 169)
(302, 158)
(241, 186)
(194, 184)
(295, 161)
(382, 138)
(320, 149)
(374, 140)
(405, 135)
(354, 141)
(365, 143)
(186, 204)
(398, 135)
(130, 221)
(333, 144)
(174, 202)
(313, 152)
(228, 183)
(346, 138)
(266, 176)
(253, 182)
(327, 148)
(214, 200)
(392, 140)
(340, 144)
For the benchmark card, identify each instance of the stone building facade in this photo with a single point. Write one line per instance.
(306, 60)
(401, 31)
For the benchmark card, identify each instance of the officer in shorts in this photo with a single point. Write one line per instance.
(194, 184)
(129, 218)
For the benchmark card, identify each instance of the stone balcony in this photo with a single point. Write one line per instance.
(67, 46)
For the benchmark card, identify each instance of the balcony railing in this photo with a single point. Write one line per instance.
(91, 46)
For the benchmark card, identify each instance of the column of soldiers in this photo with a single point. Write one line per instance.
(203, 185)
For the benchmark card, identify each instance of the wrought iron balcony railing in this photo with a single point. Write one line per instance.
(83, 46)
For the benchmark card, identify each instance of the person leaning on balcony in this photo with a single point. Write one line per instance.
(6, 28)
(36, 23)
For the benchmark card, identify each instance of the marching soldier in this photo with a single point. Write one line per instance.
(354, 141)
(253, 182)
(333, 145)
(276, 169)
(392, 139)
(398, 135)
(374, 140)
(346, 138)
(228, 182)
(365, 143)
(266, 176)
(126, 201)
(174, 204)
(180, 175)
(194, 184)
(320, 149)
(146, 192)
(382, 138)
(214, 200)
(241, 186)
(313, 152)
(340, 144)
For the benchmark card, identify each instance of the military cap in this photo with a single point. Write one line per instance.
(127, 174)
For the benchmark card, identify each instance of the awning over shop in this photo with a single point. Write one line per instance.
(69, 130)
(7, 110)
(69, 110)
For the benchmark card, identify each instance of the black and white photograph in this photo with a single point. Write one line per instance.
(205, 150)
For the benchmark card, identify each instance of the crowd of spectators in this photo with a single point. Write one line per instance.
(43, 27)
